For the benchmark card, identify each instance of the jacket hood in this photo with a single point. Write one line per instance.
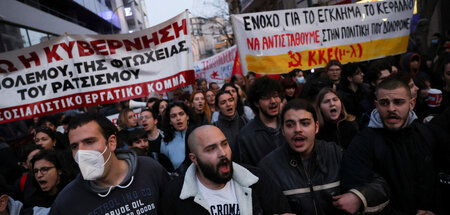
(14, 206)
(376, 122)
(407, 59)
(241, 176)
(131, 158)
(40, 210)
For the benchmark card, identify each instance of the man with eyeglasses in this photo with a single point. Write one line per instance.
(262, 134)
(391, 167)
(154, 136)
(111, 181)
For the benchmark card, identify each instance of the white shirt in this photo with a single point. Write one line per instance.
(222, 201)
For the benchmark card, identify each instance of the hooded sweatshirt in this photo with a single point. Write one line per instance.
(401, 157)
(138, 193)
(376, 122)
(14, 206)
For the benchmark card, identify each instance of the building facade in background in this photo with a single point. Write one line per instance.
(210, 36)
(131, 14)
(25, 23)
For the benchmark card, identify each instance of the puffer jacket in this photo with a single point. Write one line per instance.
(310, 188)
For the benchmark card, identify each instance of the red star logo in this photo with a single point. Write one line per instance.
(214, 75)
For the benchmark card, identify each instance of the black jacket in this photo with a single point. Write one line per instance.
(356, 103)
(230, 129)
(341, 133)
(256, 140)
(297, 181)
(404, 161)
(181, 195)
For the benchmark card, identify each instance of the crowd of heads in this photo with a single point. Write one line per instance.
(304, 101)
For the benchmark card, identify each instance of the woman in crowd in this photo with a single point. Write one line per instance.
(289, 89)
(127, 122)
(201, 111)
(335, 124)
(46, 138)
(127, 119)
(159, 108)
(175, 128)
(240, 107)
(50, 177)
(229, 122)
(211, 99)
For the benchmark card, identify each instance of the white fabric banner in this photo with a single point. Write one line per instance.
(74, 71)
(216, 68)
(276, 42)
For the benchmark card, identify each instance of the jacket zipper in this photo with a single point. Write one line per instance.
(311, 189)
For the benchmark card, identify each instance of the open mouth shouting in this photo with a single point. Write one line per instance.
(224, 166)
(299, 141)
(334, 114)
(44, 185)
(273, 109)
(393, 119)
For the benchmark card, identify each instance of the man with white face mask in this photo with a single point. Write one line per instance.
(111, 182)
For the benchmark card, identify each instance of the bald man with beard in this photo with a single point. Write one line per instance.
(213, 184)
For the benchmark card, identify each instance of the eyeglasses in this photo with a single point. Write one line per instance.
(144, 117)
(43, 170)
(267, 97)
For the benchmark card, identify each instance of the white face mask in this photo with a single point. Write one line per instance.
(91, 163)
(301, 80)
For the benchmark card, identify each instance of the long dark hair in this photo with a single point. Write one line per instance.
(167, 128)
(54, 157)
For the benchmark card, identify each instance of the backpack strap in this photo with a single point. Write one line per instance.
(23, 179)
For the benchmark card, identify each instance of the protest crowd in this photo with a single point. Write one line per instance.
(368, 137)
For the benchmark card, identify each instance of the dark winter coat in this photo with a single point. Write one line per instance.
(391, 171)
(255, 192)
(256, 140)
(341, 133)
(310, 188)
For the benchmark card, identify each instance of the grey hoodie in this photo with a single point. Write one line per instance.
(376, 122)
(14, 206)
(131, 159)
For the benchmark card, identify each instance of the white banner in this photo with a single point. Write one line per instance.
(278, 41)
(216, 68)
(73, 71)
